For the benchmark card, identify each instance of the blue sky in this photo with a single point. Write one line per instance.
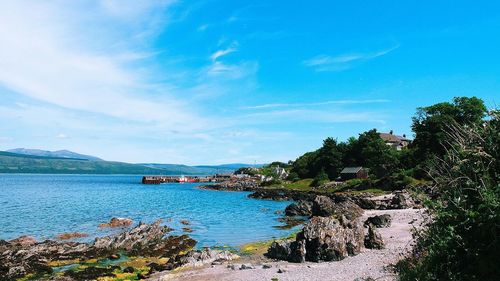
(211, 82)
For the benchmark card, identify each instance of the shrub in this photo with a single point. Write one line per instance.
(462, 240)
(320, 179)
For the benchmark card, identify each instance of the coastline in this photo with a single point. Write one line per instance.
(376, 264)
(215, 262)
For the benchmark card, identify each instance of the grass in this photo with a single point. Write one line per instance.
(302, 185)
(349, 186)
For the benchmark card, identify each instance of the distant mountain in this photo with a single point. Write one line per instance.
(62, 164)
(58, 153)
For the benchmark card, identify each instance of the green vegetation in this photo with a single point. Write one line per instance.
(22, 163)
(455, 156)
(462, 241)
(390, 168)
(368, 150)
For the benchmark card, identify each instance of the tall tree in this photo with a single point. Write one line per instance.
(430, 124)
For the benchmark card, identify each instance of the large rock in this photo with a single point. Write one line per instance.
(205, 256)
(402, 200)
(146, 240)
(396, 200)
(373, 239)
(117, 222)
(322, 239)
(324, 206)
(300, 208)
(23, 241)
(379, 221)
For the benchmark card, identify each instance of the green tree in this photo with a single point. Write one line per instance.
(320, 179)
(430, 124)
(329, 159)
(303, 165)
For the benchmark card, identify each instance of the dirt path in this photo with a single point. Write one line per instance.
(369, 263)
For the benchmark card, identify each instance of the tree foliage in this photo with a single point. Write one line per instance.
(368, 150)
(462, 241)
(430, 123)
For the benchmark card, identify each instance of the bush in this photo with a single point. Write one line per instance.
(293, 177)
(462, 241)
(395, 181)
(320, 179)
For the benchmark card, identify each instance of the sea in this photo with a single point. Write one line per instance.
(45, 206)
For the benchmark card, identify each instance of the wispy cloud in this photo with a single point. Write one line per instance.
(61, 62)
(344, 61)
(233, 47)
(275, 105)
(304, 115)
(203, 27)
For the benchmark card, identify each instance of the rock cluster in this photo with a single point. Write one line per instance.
(278, 194)
(396, 200)
(205, 256)
(321, 239)
(117, 222)
(241, 185)
(325, 206)
(300, 208)
(23, 255)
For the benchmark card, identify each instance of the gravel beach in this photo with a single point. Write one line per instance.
(369, 263)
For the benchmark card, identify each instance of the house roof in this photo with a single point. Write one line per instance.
(392, 138)
(351, 170)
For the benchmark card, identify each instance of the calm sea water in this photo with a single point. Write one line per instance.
(46, 205)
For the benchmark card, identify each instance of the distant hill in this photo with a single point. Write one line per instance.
(23, 163)
(58, 153)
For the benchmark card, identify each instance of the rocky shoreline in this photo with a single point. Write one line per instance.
(334, 231)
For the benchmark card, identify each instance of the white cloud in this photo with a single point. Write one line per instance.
(274, 105)
(63, 63)
(343, 61)
(302, 115)
(220, 53)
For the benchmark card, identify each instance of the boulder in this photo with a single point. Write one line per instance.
(279, 250)
(23, 241)
(300, 208)
(117, 222)
(402, 200)
(71, 235)
(202, 257)
(144, 239)
(373, 239)
(321, 239)
(379, 221)
(324, 206)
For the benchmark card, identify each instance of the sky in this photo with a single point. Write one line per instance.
(211, 82)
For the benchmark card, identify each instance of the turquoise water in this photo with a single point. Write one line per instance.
(47, 205)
